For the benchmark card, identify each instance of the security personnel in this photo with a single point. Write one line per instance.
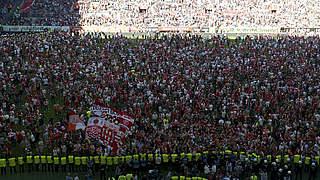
(128, 159)
(136, 163)
(12, 165)
(50, 163)
(122, 178)
(43, 163)
(110, 161)
(64, 164)
(56, 162)
(71, 163)
(150, 161)
(84, 163)
(189, 156)
(165, 158)
(129, 176)
(37, 162)
(198, 155)
(77, 162)
(116, 160)
(21, 164)
(30, 163)
(96, 163)
(143, 160)
(3, 166)
(307, 163)
(174, 177)
(103, 161)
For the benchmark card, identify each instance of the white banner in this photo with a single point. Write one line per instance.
(259, 30)
(34, 28)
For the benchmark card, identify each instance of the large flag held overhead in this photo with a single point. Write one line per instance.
(108, 125)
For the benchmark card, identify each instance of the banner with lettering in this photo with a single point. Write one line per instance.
(108, 125)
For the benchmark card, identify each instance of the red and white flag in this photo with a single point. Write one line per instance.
(75, 123)
(108, 125)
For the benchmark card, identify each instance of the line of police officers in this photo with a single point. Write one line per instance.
(279, 167)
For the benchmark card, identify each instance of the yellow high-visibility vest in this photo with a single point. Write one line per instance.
(182, 155)
(128, 159)
(129, 176)
(174, 177)
(12, 162)
(182, 177)
(188, 178)
(96, 160)
(64, 160)
(143, 157)
(77, 161)
(109, 161)
(3, 162)
(194, 178)
(29, 159)
(165, 158)
(228, 152)
(279, 157)
(307, 161)
(43, 159)
(36, 159)
(317, 159)
(136, 157)
(56, 160)
(269, 157)
(84, 160)
(122, 178)
(174, 157)
(116, 160)
(198, 156)
(70, 159)
(285, 158)
(103, 160)
(49, 159)
(189, 155)
(296, 158)
(258, 158)
(235, 154)
(122, 159)
(20, 160)
(150, 157)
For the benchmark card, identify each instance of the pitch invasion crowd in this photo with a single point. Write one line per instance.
(204, 13)
(257, 96)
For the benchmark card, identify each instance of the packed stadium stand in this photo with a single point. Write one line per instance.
(210, 13)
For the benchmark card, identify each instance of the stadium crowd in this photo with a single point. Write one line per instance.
(195, 13)
(256, 95)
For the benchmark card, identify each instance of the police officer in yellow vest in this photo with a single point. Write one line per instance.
(56, 162)
(30, 163)
(50, 163)
(71, 163)
(37, 162)
(3, 166)
(63, 164)
(43, 163)
(77, 162)
(21, 164)
(12, 165)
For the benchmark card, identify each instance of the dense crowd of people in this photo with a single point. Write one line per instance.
(186, 93)
(195, 13)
